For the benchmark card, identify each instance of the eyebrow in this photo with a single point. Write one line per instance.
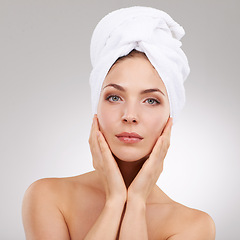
(120, 88)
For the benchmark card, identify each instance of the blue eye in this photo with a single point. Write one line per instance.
(152, 101)
(113, 98)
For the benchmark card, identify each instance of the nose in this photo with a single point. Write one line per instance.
(129, 119)
(130, 115)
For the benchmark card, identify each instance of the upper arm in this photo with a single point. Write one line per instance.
(42, 218)
(202, 227)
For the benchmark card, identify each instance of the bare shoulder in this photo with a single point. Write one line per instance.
(47, 187)
(47, 190)
(192, 224)
(51, 189)
(43, 207)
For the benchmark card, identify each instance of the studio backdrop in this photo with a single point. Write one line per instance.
(45, 108)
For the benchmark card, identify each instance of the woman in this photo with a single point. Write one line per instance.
(137, 92)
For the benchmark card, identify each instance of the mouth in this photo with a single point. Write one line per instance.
(127, 137)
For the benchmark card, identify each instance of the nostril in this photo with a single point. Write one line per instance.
(129, 120)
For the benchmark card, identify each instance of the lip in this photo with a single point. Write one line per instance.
(129, 137)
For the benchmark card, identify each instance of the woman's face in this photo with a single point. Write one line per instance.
(133, 108)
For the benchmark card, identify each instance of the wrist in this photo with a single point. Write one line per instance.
(135, 197)
(136, 207)
(115, 202)
(136, 201)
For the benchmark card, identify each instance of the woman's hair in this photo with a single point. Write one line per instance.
(132, 54)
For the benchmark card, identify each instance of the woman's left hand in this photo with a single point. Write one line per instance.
(147, 177)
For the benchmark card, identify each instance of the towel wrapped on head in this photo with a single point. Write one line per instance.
(147, 30)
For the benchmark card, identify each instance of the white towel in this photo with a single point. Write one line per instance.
(147, 30)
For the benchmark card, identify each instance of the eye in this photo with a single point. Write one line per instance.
(152, 101)
(113, 98)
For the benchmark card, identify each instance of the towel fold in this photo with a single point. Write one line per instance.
(147, 30)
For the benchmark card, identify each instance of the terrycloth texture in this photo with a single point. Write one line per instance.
(147, 30)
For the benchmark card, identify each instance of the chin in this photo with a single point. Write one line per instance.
(129, 156)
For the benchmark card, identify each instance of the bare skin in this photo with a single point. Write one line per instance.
(82, 201)
(120, 199)
(68, 208)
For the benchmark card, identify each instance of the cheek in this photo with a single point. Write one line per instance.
(155, 125)
(102, 119)
(105, 118)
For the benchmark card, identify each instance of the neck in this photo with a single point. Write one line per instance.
(129, 170)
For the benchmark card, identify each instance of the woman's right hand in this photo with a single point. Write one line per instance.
(106, 166)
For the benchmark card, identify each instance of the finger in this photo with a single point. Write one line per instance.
(103, 145)
(107, 157)
(165, 136)
(168, 127)
(161, 146)
(95, 123)
(94, 128)
(93, 142)
(164, 139)
(94, 116)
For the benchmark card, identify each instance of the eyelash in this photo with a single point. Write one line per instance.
(156, 102)
(110, 96)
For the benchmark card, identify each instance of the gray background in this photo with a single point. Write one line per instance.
(45, 109)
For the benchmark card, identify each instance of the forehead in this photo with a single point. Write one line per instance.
(134, 72)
